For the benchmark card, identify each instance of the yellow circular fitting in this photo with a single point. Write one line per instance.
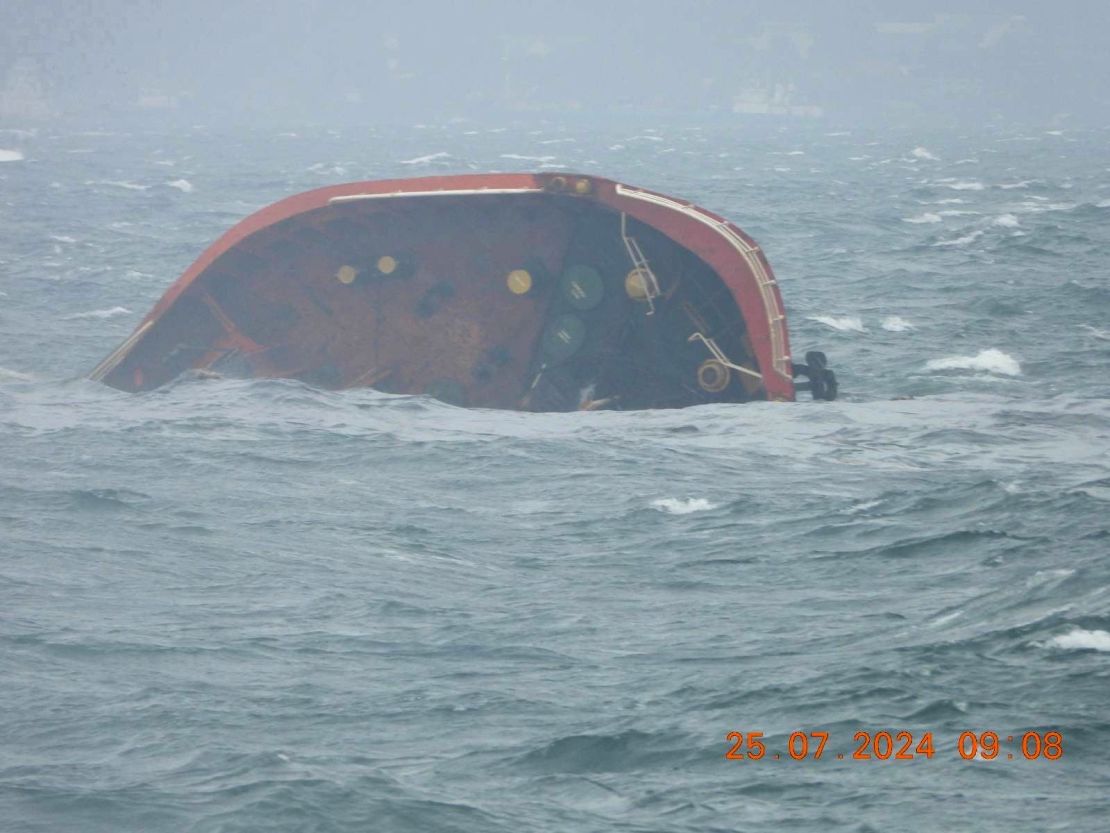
(347, 274)
(713, 377)
(635, 285)
(519, 281)
(387, 264)
(583, 186)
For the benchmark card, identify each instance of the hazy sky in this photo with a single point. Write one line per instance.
(897, 62)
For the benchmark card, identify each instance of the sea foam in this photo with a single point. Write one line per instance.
(1081, 640)
(844, 323)
(896, 324)
(424, 160)
(98, 313)
(961, 241)
(10, 155)
(964, 185)
(990, 361)
(674, 506)
(130, 186)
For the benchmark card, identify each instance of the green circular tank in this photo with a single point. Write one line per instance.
(582, 286)
(563, 338)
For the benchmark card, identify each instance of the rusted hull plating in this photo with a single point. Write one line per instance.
(518, 291)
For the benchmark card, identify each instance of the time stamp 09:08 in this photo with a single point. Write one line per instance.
(898, 746)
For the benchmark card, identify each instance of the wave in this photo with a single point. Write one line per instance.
(923, 153)
(961, 241)
(897, 324)
(964, 185)
(1007, 221)
(183, 185)
(674, 506)
(844, 323)
(10, 155)
(8, 375)
(1038, 207)
(991, 361)
(528, 158)
(1103, 335)
(927, 217)
(1081, 640)
(98, 313)
(424, 160)
(130, 186)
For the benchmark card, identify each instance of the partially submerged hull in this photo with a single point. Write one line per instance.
(519, 291)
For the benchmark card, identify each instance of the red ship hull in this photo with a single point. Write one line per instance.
(518, 291)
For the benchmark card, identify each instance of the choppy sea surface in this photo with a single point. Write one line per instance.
(254, 605)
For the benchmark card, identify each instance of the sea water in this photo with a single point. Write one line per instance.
(233, 605)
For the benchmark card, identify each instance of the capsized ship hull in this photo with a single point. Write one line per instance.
(519, 291)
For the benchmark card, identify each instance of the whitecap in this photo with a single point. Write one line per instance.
(961, 241)
(1042, 205)
(7, 375)
(527, 158)
(63, 238)
(674, 506)
(1009, 186)
(945, 618)
(10, 155)
(183, 185)
(897, 324)
(1007, 221)
(844, 323)
(423, 160)
(1081, 640)
(130, 186)
(949, 201)
(990, 361)
(98, 313)
(1042, 576)
(1102, 204)
(1104, 335)
(965, 185)
(923, 153)
(927, 217)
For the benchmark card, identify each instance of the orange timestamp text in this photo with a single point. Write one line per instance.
(897, 746)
